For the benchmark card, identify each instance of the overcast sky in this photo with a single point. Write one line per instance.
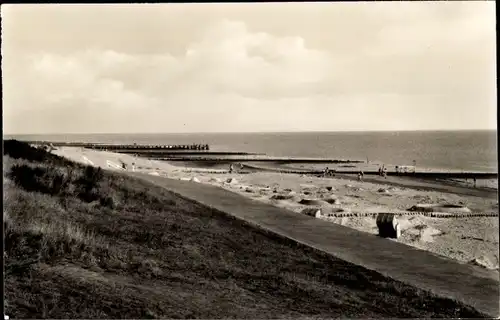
(248, 67)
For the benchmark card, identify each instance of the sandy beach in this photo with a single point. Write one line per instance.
(465, 239)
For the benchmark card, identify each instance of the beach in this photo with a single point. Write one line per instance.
(346, 201)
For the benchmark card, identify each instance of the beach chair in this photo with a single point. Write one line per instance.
(388, 226)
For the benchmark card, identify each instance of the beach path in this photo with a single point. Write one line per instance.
(467, 283)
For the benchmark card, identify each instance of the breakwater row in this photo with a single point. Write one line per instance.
(120, 147)
(255, 158)
(182, 153)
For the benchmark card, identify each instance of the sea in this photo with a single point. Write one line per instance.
(442, 150)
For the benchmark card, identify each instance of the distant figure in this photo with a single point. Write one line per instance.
(359, 176)
(325, 172)
(397, 168)
(231, 168)
(474, 182)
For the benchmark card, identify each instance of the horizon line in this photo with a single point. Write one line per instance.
(240, 132)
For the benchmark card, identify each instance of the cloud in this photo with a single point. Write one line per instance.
(434, 28)
(228, 61)
(416, 68)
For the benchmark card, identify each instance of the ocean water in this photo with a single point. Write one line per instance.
(452, 150)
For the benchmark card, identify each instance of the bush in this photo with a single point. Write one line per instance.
(59, 181)
(39, 179)
(88, 184)
(22, 150)
(107, 202)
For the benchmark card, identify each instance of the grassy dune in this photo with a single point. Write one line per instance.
(86, 243)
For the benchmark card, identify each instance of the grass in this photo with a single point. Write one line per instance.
(84, 243)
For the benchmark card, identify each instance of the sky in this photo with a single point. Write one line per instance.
(248, 67)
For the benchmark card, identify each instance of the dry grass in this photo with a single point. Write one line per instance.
(138, 251)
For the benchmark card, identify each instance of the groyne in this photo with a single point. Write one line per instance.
(120, 147)
(255, 158)
(183, 153)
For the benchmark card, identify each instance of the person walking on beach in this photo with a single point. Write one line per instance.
(360, 176)
(474, 182)
(231, 168)
(325, 172)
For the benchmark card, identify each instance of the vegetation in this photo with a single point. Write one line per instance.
(85, 243)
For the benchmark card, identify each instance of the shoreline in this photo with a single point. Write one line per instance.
(467, 240)
(202, 152)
